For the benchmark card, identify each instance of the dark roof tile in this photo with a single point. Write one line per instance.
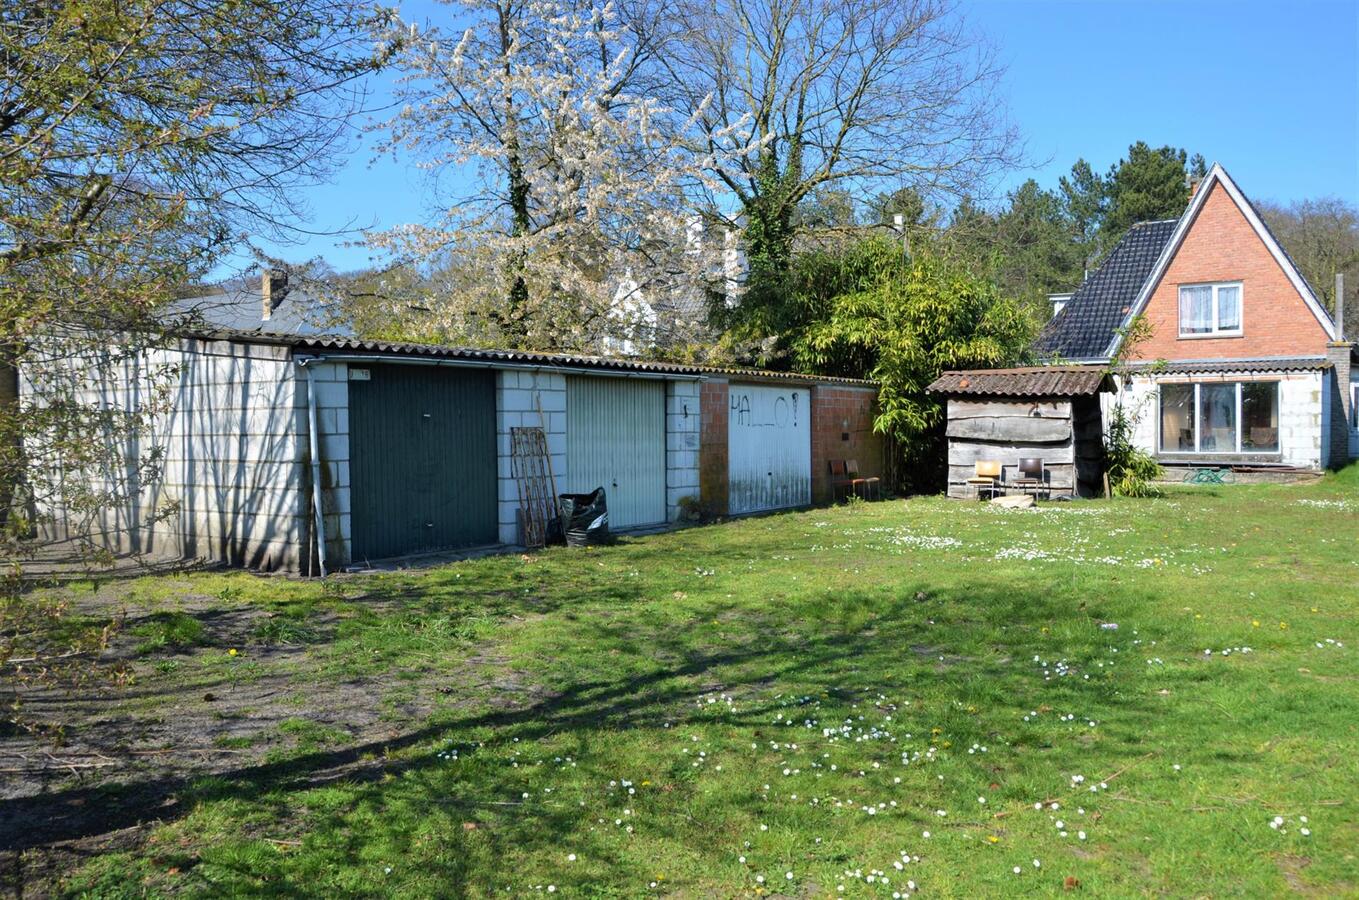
(1085, 327)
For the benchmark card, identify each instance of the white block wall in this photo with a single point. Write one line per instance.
(683, 425)
(518, 396)
(231, 477)
(237, 463)
(332, 422)
(1302, 412)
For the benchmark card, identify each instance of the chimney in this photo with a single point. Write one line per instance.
(273, 288)
(1340, 306)
(1340, 353)
(1194, 182)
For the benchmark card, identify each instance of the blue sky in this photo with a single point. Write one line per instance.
(1270, 90)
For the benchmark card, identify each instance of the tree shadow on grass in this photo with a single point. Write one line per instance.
(842, 641)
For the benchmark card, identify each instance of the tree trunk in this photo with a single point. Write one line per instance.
(519, 212)
(11, 437)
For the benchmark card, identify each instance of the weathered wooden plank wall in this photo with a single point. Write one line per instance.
(1009, 430)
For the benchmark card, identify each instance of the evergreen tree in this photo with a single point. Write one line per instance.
(1148, 185)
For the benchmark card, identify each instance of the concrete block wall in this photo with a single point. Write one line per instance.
(229, 485)
(683, 430)
(1303, 415)
(842, 428)
(331, 380)
(519, 395)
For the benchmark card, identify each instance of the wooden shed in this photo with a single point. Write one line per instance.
(1048, 412)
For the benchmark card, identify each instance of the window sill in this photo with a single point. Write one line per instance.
(1208, 456)
(1215, 335)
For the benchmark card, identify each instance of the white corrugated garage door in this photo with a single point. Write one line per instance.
(615, 437)
(769, 444)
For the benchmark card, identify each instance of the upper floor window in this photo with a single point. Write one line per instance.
(1210, 310)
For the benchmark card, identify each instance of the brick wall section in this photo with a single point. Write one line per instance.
(713, 450)
(842, 428)
(1340, 403)
(1222, 246)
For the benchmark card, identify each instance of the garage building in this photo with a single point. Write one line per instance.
(410, 445)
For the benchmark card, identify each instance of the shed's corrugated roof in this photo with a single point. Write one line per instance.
(1085, 327)
(1028, 381)
(339, 345)
(1275, 364)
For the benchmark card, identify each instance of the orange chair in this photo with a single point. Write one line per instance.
(987, 477)
(863, 486)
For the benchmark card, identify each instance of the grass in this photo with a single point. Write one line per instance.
(168, 630)
(921, 696)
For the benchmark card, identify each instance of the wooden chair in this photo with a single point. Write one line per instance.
(1030, 475)
(841, 483)
(861, 485)
(987, 477)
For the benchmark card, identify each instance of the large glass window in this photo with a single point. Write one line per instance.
(1210, 309)
(1260, 417)
(1177, 418)
(1218, 417)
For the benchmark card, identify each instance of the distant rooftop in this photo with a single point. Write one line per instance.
(239, 306)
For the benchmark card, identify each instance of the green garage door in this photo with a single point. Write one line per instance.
(422, 459)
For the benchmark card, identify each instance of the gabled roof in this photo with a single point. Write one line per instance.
(1085, 326)
(1218, 175)
(1088, 328)
(1026, 381)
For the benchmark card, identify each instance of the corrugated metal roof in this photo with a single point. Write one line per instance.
(338, 345)
(1277, 364)
(1028, 381)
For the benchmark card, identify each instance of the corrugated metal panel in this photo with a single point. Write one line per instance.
(615, 437)
(1278, 364)
(1031, 381)
(769, 448)
(422, 460)
(339, 347)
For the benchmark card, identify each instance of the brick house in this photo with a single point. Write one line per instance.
(1243, 365)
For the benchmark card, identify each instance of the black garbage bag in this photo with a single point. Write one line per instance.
(585, 517)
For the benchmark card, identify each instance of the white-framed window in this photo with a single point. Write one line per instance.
(1210, 310)
(1220, 417)
(1354, 404)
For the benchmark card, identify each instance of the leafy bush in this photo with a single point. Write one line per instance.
(903, 323)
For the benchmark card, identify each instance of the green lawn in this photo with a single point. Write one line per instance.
(866, 701)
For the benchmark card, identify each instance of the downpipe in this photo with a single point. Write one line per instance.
(313, 438)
